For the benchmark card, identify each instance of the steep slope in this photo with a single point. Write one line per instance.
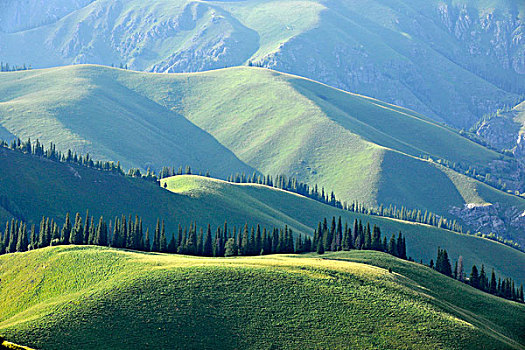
(88, 297)
(52, 189)
(453, 61)
(245, 119)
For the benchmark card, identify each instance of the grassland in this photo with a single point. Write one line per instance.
(51, 189)
(244, 119)
(418, 54)
(92, 297)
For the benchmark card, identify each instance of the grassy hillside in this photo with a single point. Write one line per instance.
(92, 297)
(52, 189)
(251, 119)
(453, 61)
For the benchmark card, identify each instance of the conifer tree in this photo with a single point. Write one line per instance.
(230, 248)
(86, 229)
(33, 241)
(147, 244)
(320, 247)
(163, 243)
(461, 270)
(22, 243)
(155, 247)
(77, 234)
(207, 249)
(172, 245)
(66, 230)
(474, 277)
(245, 243)
(493, 284)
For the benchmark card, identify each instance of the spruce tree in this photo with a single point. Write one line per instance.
(230, 248)
(493, 284)
(22, 243)
(155, 247)
(163, 243)
(147, 244)
(320, 247)
(207, 249)
(66, 230)
(77, 233)
(474, 277)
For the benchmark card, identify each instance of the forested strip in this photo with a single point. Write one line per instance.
(505, 288)
(280, 181)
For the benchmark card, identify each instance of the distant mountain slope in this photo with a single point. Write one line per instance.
(452, 61)
(250, 119)
(35, 187)
(99, 298)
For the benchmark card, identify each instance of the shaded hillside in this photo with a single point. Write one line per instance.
(244, 120)
(46, 188)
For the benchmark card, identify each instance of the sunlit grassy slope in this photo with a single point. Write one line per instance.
(99, 298)
(246, 119)
(52, 189)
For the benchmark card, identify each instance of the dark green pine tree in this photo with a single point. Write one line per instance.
(147, 243)
(320, 247)
(92, 232)
(493, 284)
(22, 243)
(155, 247)
(230, 248)
(474, 277)
(401, 246)
(392, 246)
(85, 239)
(33, 240)
(245, 243)
(172, 245)
(66, 230)
(339, 235)
(368, 238)
(258, 241)
(77, 233)
(101, 233)
(483, 279)
(207, 249)
(376, 238)
(163, 242)
(116, 239)
(200, 242)
(191, 242)
(13, 237)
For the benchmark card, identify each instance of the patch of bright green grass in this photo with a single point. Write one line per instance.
(93, 297)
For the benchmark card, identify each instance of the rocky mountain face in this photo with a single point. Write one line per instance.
(492, 218)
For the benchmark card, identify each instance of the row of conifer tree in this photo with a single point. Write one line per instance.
(280, 181)
(505, 288)
(128, 232)
(6, 67)
(291, 184)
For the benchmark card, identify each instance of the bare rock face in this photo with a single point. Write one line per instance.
(491, 218)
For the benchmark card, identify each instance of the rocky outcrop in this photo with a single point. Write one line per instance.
(492, 218)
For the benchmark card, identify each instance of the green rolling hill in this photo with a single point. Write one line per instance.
(99, 298)
(34, 187)
(451, 60)
(249, 119)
